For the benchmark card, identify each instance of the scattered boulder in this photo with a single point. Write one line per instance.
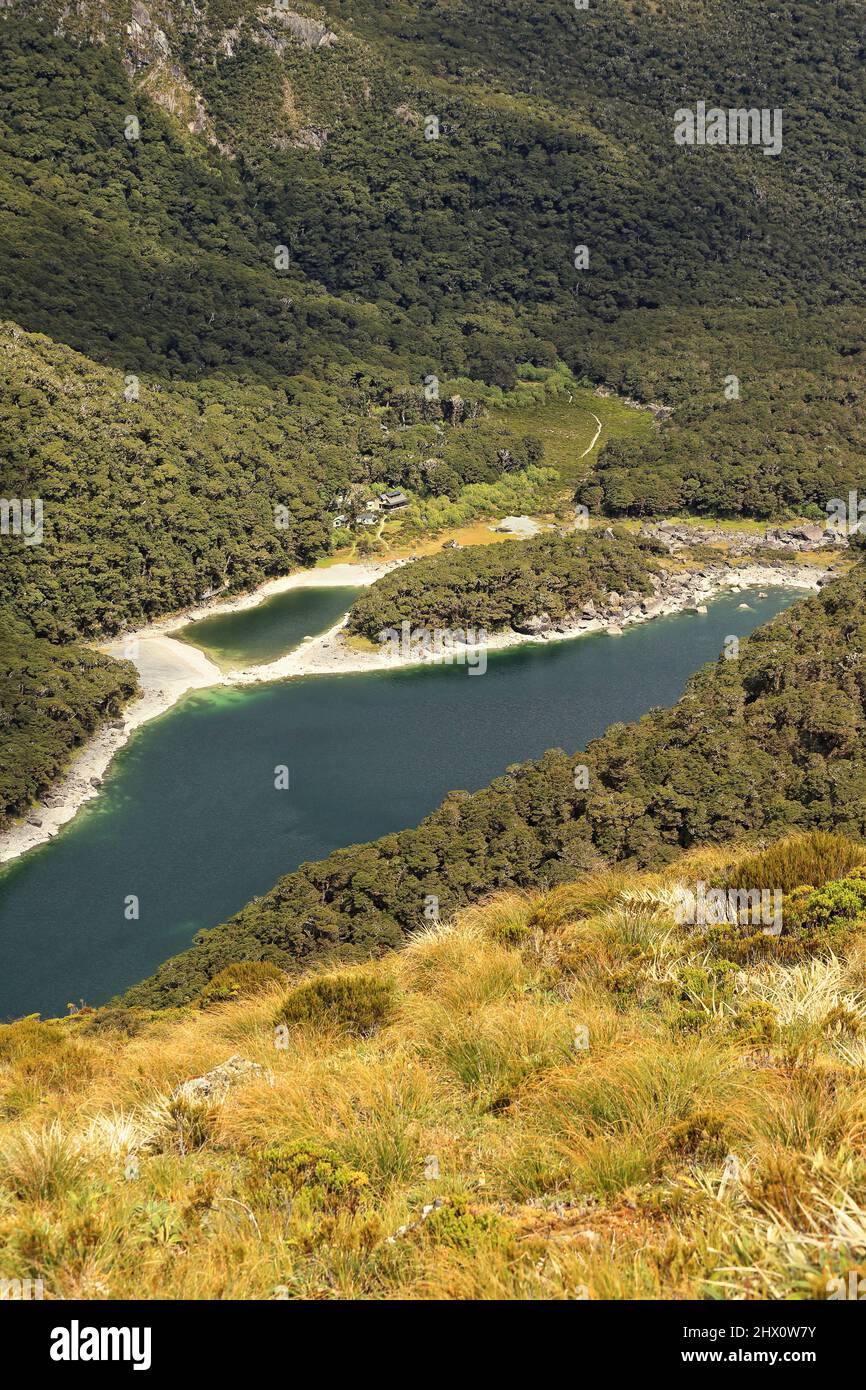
(215, 1085)
(534, 627)
(308, 32)
(815, 534)
(652, 606)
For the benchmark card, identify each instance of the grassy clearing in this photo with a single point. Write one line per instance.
(567, 428)
(556, 1095)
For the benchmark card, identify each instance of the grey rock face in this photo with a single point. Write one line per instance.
(215, 1084)
(532, 627)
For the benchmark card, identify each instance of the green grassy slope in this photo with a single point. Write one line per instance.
(537, 1100)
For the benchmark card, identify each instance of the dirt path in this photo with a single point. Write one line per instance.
(590, 448)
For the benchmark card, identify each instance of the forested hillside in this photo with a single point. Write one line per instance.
(51, 698)
(252, 258)
(771, 741)
(454, 256)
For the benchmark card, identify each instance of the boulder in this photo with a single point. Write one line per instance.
(814, 534)
(214, 1085)
(533, 627)
(652, 606)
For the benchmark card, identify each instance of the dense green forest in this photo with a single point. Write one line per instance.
(496, 586)
(249, 263)
(151, 502)
(794, 439)
(50, 700)
(769, 742)
(410, 257)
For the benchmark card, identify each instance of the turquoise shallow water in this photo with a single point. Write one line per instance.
(257, 635)
(190, 821)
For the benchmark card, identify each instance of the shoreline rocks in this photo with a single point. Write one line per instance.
(676, 593)
(779, 539)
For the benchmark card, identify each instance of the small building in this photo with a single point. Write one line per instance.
(368, 519)
(339, 521)
(392, 498)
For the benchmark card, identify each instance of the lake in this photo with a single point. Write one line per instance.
(255, 636)
(191, 824)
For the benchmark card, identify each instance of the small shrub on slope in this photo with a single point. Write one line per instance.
(282, 1171)
(815, 858)
(243, 977)
(358, 1002)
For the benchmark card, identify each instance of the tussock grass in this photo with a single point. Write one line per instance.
(814, 858)
(42, 1163)
(555, 1095)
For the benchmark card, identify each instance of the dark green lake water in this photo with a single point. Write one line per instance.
(190, 821)
(254, 636)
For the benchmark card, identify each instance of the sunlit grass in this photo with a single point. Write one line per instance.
(556, 1095)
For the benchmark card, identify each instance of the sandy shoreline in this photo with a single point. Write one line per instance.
(169, 669)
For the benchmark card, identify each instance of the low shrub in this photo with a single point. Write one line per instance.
(830, 909)
(282, 1171)
(243, 977)
(457, 1225)
(356, 1001)
(816, 857)
(758, 1022)
(126, 1022)
(703, 1135)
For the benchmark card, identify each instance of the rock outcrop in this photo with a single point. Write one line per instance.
(152, 39)
(677, 592)
(215, 1085)
(796, 539)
